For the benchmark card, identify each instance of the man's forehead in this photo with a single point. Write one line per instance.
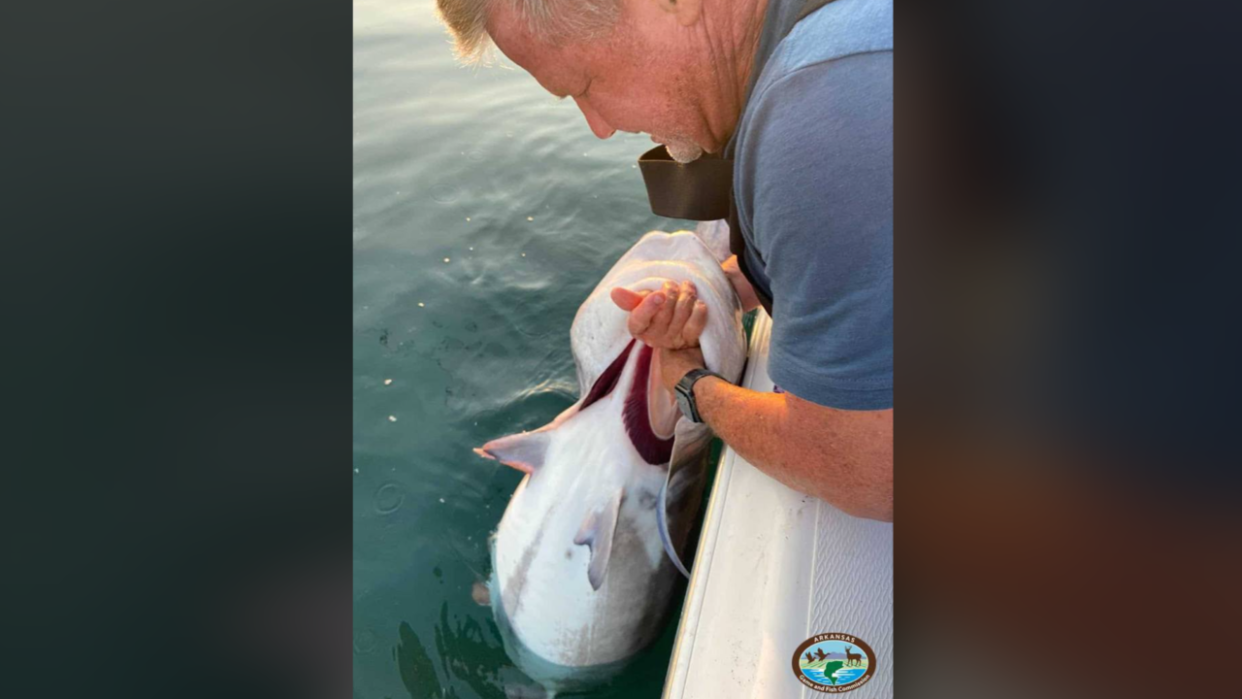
(548, 64)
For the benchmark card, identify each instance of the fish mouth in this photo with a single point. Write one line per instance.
(607, 381)
(654, 449)
(648, 413)
(645, 400)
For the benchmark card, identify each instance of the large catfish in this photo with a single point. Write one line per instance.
(588, 551)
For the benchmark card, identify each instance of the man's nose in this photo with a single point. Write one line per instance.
(598, 126)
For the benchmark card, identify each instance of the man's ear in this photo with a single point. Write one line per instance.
(686, 11)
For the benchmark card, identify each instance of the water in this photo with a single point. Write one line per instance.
(462, 307)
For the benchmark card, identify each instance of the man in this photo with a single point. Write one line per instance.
(804, 106)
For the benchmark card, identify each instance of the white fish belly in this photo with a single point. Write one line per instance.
(544, 588)
(541, 582)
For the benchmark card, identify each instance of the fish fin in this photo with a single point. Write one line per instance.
(524, 451)
(596, 532)
(681, 495)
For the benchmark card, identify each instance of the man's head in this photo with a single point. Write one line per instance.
(551, 20)
(662, 67)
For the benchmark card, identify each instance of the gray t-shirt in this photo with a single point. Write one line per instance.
(813, 183)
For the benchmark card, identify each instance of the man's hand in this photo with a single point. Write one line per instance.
(745, 292)
(669, 318)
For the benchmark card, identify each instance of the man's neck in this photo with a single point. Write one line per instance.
(733, 29)
(755, 13)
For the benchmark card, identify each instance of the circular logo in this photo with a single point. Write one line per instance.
(834, 662)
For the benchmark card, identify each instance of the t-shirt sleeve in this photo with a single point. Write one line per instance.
(821, 203)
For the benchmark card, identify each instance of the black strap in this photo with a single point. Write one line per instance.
(807, 8)
(737, 246)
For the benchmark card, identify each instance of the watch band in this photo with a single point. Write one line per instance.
(685, 392)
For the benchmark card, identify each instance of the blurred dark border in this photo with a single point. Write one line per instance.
(1067, 501)
(176, 272)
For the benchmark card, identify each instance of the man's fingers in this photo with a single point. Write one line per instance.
(627, 300)
(642, 315)
(681, 313)
(663, 317)
(696, 323)
(659, 323)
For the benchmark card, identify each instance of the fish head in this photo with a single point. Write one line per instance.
(600, 331)
(612, 365)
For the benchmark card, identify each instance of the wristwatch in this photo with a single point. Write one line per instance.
(684, 391)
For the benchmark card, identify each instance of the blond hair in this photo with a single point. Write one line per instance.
(549, 20)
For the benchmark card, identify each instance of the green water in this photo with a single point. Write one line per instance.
(449, 164)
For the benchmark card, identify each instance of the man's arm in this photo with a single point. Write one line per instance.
(844, 457)
(818, 189)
